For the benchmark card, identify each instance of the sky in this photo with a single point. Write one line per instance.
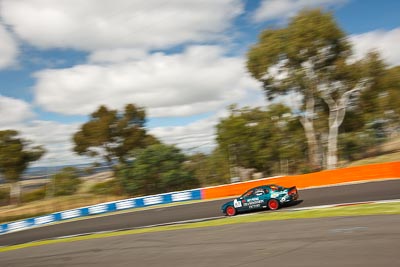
(182, 60)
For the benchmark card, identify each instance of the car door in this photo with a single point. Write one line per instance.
(266, 196)
(241, 203)
(254, 199)
(263, 194)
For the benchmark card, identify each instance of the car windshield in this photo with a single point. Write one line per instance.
(248, 193)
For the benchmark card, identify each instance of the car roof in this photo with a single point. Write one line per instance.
(263, 186)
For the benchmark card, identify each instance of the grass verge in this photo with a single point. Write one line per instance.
(391, 157)
(48, 206)
(356, 210)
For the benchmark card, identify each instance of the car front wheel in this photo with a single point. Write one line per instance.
(230, 211)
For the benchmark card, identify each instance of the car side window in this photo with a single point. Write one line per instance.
(259, 192)
(249, 193)
(274, 188)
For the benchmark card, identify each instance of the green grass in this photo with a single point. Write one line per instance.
(356, 210)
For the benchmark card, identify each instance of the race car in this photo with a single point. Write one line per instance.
(266, 196)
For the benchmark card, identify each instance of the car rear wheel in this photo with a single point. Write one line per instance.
(230, 211)
(273, 204)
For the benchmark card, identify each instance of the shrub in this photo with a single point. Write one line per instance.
(4, 196)
(66, 182)
(34, 195)
(110, 187)
(156, 169)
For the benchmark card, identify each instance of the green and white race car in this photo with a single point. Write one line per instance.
(261, 197)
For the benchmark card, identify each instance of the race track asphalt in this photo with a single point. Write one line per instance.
(371, 191)
(339, 241)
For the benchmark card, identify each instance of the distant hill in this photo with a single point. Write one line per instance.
(43, 172)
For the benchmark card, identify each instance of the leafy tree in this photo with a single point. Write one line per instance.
(377, 114)
(66, 181)
(356, 145)
(253, 138)
(213, 169)
(156, 169)
(15, 156)
(380, 106)
(391, 97)
(309, 57)
(112, 135)
(238, 138)
(109, 187)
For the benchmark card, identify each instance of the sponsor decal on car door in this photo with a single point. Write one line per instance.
(256, 199)
(254, 202)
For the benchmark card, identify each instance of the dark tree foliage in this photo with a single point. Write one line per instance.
(66, 182)
(213, 169)
(252, 138)
(111, 135)
(15, 156)
(156, 169)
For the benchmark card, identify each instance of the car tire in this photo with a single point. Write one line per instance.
(230, 211)
(273, 204)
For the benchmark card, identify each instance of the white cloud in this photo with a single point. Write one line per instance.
(281, 9)
(385, 42)
(92, 25)
(56, 138)
(116, 55)
(201, 79)
(8, 48)
(198, 136)
(53, 136)
(293, 100)
(13, 112)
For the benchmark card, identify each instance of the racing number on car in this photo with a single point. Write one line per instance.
(237, 204)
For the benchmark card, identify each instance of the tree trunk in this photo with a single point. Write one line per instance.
(308, 124)
(332, 153)
(312, 145)
(15, 192)
(337, 112)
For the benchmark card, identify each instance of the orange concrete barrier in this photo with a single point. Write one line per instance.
(371, 172)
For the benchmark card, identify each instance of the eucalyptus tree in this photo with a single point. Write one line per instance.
(309, 57)
(211, 169)
(15, 156)
(112, 135)
(391, 97)
(381, 106)
(260, 139)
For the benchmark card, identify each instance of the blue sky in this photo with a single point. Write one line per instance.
(182, 60)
